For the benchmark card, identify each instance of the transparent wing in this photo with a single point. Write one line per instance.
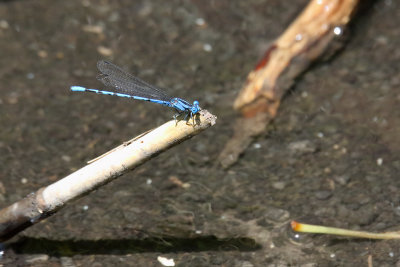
(120, 81)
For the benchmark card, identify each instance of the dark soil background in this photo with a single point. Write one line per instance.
(331, 156)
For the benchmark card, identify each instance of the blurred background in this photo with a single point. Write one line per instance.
(331, 155)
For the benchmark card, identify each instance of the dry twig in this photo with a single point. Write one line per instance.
(48, 200)
(306, 39)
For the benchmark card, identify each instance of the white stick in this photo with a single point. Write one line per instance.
(113, 164)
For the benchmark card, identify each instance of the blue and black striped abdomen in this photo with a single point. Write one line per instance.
(103, 92)
(122, 84)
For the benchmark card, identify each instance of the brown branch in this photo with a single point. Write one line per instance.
(306, 39)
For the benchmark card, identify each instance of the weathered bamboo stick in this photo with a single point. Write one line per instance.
(48, 200)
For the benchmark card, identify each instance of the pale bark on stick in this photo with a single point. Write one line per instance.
(46, 201)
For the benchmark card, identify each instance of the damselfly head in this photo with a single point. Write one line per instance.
(195, 107)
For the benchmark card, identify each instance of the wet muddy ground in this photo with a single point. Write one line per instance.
(331, 156)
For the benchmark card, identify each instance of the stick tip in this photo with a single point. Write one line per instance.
(295, 226)
(212, 119)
